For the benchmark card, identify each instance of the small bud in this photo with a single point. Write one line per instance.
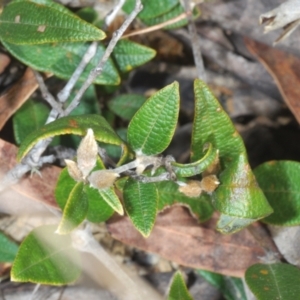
(87, 153)
(102, 179)
(191, 189)
(73, 170)
(209, 183)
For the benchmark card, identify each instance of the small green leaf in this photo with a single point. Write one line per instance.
(274, 281)
(61, 59)
(110, 197)
(178, 289)
(26, 22)
(8, 249)
(238, 195)
(129, 55)
(152, 127)
(151, 8)
(75, 210)
(169, 195)
(125, 106)
(232, 288)
(31, 116)
(279, 181)
(228, 224)
(140, 200)
(197, 167)
(47, 258)
(73, 125)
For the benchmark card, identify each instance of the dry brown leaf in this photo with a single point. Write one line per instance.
(32, 194)
(285, 70)
(4, 62)
(178, 237)
(16, 96)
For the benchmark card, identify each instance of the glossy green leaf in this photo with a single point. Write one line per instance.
(8, 249)
(125, 106)
(197, 167)
(31, 116)
(47, 258)
(61, 59)
(98, 210)
(75, 210)
(25, 22)
(178, 289)
(140, 201)
(72, 125)
(280, 182)
(152, 127)
(151, 8)
(169, 195)
(129, 55)
(228, 224)
(232, 288)
(274, 281)
(238, 195)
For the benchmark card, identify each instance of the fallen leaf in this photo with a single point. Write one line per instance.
(4, 62)
(178, 237)
(285, 70)
(16, 96)
(33, 193)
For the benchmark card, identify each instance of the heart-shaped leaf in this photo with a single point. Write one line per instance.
(61, 59)
(75, 210)
(77, 125)
(280, 182)
(47, 258)
(26, 22)
(140, 200)
(8, 249)
(129, 55)
(152, 127)
(178, 289)
(274, 281)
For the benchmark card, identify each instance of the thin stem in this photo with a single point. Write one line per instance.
(64, 94)
(113, 13)
(99, 68)
(46, 94)
(195, 40)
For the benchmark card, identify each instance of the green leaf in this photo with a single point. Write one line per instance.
(274, 281)
(88, 14)
(238, 195)
(73, 125)
(232, 288)
(197, 167)
(98, 210)
(31, 116)
(125, 106)
(26, 22)
(152, 127)
(62, 59)
(151, 8)
(47, 258)
(110, 197)
(129, 55)
(228, 224)
(169, 195)
(140, 200)
(75, 210)
(178, 289)
(279, 180)
(8, 249)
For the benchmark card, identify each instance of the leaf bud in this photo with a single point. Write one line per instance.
(191, 189)
(73, 170)
(102, 179)
(209, 183)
